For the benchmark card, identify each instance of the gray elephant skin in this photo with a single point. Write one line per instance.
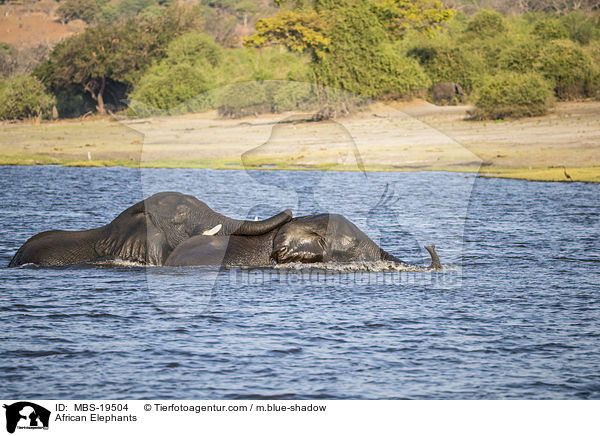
(446, 92)
(147, 232)
(307, 239)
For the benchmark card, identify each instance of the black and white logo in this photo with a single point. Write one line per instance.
(26, 415)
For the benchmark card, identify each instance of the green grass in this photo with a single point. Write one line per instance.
(553, 174)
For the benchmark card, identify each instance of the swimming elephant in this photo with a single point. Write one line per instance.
(447, 91)
(146, 232)
(307, 239)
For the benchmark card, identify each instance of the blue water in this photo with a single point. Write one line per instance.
(516, 313)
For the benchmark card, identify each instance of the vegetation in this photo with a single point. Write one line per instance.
(24, 97)
(107, 60)
(350, 42)
(513, 95)
(85, 10)
(155, 56)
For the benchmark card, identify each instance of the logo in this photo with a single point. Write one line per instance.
(26, 415)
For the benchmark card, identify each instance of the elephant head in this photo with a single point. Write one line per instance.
(307, 239)
(325, 238)
(146, 232)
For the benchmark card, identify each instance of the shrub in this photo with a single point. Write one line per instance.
(446, 63)
(25, 97)
(570, 69)
(172, 88)
(193, 48)
(580, 27)
(549, 28)
(386, 74)
(246, 98)
(522, 58)
(513, 95)
(291, 96)
(487, 23)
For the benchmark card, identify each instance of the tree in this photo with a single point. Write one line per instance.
(85, 10)
(108, 59)
(349, 41)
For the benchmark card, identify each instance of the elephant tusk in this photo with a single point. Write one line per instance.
(213, 231)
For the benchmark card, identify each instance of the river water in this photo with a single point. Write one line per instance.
(514, 314)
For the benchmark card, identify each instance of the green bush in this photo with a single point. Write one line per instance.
(386, 74)
(293, 96)
(194, 48)
(522, 57)
(176, 88)
(487, 23)
(446, 63)
(580, 27)
(513, 95)
(550, 28)
(570, 69)
(244, 99)
(24, 97)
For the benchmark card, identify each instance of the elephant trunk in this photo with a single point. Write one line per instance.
(254, 228)
(435, 260)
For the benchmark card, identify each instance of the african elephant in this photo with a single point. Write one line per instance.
(146, 232)
(446, 91)
(307, 239)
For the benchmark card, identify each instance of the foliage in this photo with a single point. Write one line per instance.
(24, 97)
(178, 88)
(294, 96)
(513, 95)
(246, 98)
(85, 10)
(228, 20)
(349, 42)
(400, 16)
(580, 27)
(522, 57)
(108, 59)
(298, 31)
(195, 65)
(550, 28)
(178, 82)
(487, 23)
(448, 63)
(570, 69)
(193, 47)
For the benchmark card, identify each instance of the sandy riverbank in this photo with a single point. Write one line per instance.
(562, 146)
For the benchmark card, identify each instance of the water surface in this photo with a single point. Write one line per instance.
(515, 315)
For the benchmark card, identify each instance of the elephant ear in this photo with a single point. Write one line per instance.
(126, 236)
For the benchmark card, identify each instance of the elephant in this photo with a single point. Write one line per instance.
(146, 232)
(306, 239)
(447, 91)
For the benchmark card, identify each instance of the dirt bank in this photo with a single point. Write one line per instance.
(562, 146)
